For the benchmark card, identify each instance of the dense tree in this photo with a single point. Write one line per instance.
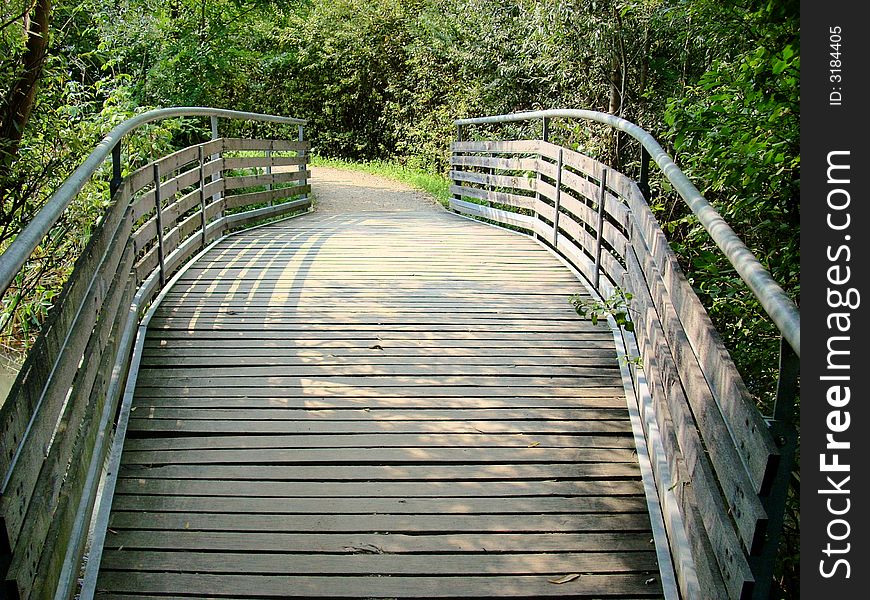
(717, 82)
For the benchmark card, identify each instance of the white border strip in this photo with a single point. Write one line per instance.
(657, 523)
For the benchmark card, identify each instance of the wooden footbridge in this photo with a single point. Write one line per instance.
(385, 404)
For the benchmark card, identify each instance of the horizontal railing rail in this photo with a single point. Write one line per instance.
(56, 423)
(721, 469)
(30, 237)
(778, 305)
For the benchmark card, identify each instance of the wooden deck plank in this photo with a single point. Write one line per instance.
(224, 427)
(595, 585)
(385, 506)
(158, 521)
(290, 413)
(381, 564)
(379, 440)
(366, 489)
(384, 402)
(378, 405)
(274, 456)
(386, 543)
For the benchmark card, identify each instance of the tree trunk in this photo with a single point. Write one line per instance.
(615, 107)
(15, 111)
(644, 63)
(615, 82)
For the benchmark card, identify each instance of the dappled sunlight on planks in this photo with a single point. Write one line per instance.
(378, 405)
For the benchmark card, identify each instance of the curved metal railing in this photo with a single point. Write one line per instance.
(776, 303)
(25, 242)
(722, 469)
(56, 423)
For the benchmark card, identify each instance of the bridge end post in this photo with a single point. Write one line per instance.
(643, 180)
(115, 183)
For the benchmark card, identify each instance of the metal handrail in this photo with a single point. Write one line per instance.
(776, 303)
(25, 242)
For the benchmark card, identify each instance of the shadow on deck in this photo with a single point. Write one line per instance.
(378, 405)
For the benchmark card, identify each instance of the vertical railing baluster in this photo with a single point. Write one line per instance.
(269, 169)
(558, 200)
(201, 158)
(775, 498)
(599, 230)
(454, 167)
(643, 182)
(219, 173)
(490, 180)
(115, 183)
(302, 166)
(545, 137)
(159, 218)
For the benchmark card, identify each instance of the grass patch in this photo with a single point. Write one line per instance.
(432, 183)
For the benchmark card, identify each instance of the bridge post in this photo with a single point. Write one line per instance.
(457, 167)
(602, 190)
(219, 174)
(159, 218)
(545, 137)
(269, 168)
(643, 181)
(201, 159)
(301, 138)
(781, 426)
(558, 200)
(115, 183)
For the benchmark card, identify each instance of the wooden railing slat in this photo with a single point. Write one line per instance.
(30, 418)
(716, 441)
(232, 183)
(252, 216)
(248, 162)
(744, 505)
(506, 147)
(750, 434)
(238, 200)
(505, 198)
(172, 162)
(235, 144)
(55, 485)
(705, 504)
(503, 164)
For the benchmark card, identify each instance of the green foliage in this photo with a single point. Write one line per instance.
(436, 185)
(736, 133)
(381, 81)
(616, 306)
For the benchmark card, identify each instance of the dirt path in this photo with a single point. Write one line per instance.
(340, 191)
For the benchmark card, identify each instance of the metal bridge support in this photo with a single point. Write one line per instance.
(785, 434)
(643, 180)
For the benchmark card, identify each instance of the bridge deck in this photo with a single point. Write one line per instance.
(378, 405)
